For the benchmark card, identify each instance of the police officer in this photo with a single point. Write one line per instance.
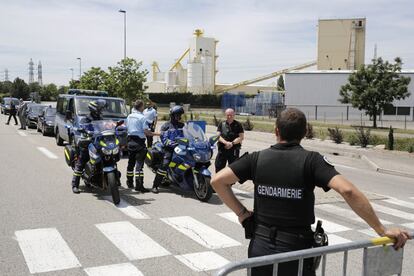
(169, 131)
(12, 112)
(231, 135)
(95, 113)
(284, 178)
(151, 115)
(138, 129)
(21, 114)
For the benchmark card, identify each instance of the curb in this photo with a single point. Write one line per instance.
(385, 171)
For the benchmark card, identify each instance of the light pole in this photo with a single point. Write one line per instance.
(80, 67)
(124, 12)
(71, 69)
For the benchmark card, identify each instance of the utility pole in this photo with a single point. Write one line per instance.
(124, 12)
(375, 51)
(31, 71)
(6, 74)
(80, 67)
(71, 69)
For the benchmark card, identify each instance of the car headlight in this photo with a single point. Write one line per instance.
(115, 150)
(197, 156)
(106, 151)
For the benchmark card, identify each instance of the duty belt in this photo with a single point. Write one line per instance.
(274, 235)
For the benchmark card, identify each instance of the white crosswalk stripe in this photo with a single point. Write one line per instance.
(200, 233)
(409, 225)
(131, 241)
(335, 239)
(125, 269)
(45, 250)
(369, 232)
(399, 202)
(21, 133)
(331, 227)
(127, 209)
(229, 216)
(344, 213)
(203, 261)
(393, 212)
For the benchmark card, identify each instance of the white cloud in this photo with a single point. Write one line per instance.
(256, 37)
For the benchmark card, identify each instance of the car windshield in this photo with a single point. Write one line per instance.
(50, 112)
(37, 109)
(115, 107)
(194, 132)
(8, 100)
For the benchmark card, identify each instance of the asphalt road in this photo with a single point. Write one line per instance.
(46, 229)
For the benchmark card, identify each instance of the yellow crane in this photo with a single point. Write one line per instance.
(265, 77)
(180, 59)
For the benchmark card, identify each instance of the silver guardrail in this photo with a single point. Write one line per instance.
(375, 258)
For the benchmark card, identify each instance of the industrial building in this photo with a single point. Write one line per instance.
(341, 44)
(316, 93)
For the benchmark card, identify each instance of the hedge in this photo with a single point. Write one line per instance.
(186, 98)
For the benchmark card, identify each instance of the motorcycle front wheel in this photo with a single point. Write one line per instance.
(113, 187)
(204, 190)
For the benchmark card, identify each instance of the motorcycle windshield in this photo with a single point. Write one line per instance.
(194, 133)
(101, 126)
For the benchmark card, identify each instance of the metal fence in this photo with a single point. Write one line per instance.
(379, 258)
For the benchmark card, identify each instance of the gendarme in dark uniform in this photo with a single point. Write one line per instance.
(285, 176)
(229, 131)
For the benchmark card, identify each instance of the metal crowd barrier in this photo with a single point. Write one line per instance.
(377, 260)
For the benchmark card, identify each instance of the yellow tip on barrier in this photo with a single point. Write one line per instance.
(382, 241)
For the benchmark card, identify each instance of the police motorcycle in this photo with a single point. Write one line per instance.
(189, 164)
(104, 152)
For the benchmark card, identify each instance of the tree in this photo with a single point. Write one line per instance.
(63, 89)
(20, 89)
(49, 92)
(280, 84)
(35, 87)
(75, 84)
(94, 79)
(126, 80)
(375, 86)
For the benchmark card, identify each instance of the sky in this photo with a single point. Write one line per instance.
(256, 37)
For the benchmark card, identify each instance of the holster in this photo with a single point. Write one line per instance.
(248, 225)
(320, 238)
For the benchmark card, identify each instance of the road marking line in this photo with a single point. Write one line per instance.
(369, 232)
(331, 227)
(344, 213)
(21, 133)
(334, 239)
(393, 212)
(125, 269)
(400, 202)
(47, 153)
(127, 209)
(409, 225)
(203, 261)
(200, 233)
(45, 250)
(412, 197)
(230, 216)
(131, 241)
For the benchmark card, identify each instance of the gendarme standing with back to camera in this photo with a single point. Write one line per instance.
(285, 176)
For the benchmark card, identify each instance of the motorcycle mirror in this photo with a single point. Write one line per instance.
(213, 139)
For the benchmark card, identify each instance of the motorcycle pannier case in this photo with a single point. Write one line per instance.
(70, 155)
(154, 157)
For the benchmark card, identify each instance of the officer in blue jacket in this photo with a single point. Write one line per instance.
(169, 131)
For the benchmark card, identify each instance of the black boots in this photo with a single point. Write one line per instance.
(157, 182)
(130, 182)
(75, 184)
(139, 184)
